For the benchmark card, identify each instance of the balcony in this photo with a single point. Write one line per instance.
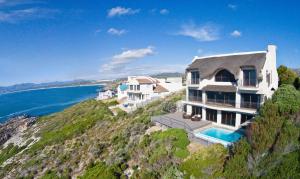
(250, 105)
(220, 102)
(195, 98)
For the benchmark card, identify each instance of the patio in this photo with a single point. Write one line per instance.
(175, 120)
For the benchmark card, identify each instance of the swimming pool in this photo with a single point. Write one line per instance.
(218, 135)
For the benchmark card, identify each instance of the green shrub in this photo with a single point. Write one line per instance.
(99, 170)
(206, 163)
(288, 99)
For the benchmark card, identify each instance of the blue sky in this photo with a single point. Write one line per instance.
(42, 41)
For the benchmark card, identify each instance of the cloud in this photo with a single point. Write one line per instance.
(119, 61)
(114, 31)
(6, 3)
(236, 33)
(14, 16)
(200, 51)
(232, 6)
(207, 32)
(119, 11)
(164, 11)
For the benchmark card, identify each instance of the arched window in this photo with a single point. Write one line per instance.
(224, 76)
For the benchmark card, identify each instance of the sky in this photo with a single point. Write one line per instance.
(59, 40)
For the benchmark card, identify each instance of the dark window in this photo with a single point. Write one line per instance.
(211, 115)
(246, 117)
(228, 118)
(250, 101)
(138, 87)
(195, 78)
(195, 95)
(269, 79)
(249, 77)
(196, 110)
(131, 87)
(184, 108)
(224, 76)
(221, 98)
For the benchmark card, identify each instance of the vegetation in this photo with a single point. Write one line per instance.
(206, 163)
(286, 75)
(272, 140)
(88, 141)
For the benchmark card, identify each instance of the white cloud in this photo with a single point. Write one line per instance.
(207, 32)
(164, 11)
(200, 51)
(16, 2)
(118, 62)
(232, 6)
(14, 16)
(114, 31)
(236, 33)
(119, 11)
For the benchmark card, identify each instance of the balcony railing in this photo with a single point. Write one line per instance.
(219, 102)
(251, 105)
(195, 98)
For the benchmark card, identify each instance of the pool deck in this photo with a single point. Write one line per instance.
(175, 120)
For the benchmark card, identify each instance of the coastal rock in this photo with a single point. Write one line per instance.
(14, 125)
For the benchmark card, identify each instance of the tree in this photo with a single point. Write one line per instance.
(286, 75)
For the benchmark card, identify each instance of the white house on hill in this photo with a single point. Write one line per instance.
(228, 89)
(144, 88)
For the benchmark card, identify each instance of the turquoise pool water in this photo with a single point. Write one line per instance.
(221, 134)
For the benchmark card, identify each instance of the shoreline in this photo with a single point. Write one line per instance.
(45, 88)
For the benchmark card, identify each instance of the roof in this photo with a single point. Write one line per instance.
(207, 66)
(160, 89)
(219, 88)
(144, 81)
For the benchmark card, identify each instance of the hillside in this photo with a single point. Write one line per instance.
(88, 141)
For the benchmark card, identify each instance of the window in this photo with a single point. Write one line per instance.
(211, 115)
(268, 79)
(224, 76)
(195, 95)
(250, 101)
(246, 117)
(196, 110)
(249, 77)
(131, 87)
(228, 118)
(195, 77)
(138, 87)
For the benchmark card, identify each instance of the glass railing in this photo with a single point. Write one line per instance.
(230, 103)
(195, 98)
(251, 105)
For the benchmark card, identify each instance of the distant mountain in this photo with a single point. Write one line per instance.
(28, 86)
(166, 75)
(297, 70)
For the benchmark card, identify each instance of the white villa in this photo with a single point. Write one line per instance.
(228, 89)
(140, 89)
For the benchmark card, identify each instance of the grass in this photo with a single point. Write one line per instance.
(9, 151)
(71, 122)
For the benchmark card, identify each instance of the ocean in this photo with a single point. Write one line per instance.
(43, 101)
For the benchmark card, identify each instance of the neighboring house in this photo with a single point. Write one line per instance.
(144, 88)
(105, 94)
(228, 89)
(122, 91)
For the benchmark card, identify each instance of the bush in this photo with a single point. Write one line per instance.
(9, 152)
(99, 170)
(286, 75)
(288, 99)
(206, 163)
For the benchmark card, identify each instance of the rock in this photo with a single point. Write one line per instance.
(14, 125)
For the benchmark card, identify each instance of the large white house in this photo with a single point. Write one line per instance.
(228, 89)
(139, 89)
